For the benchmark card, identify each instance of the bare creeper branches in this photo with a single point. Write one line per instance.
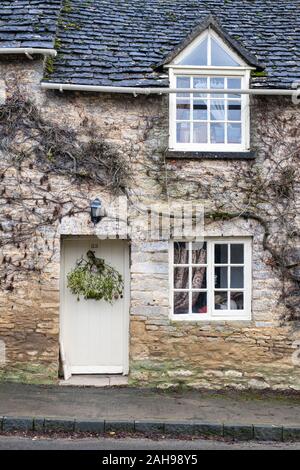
(46, 170)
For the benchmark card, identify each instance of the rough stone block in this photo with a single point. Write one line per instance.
(291, 433)
(118, 426)
(38, 424)
(17, 424)
(238, 432)
(268, 432)
(150, 268)
(89, 426)
(258, 384)
(150, 246)
(59, 425)
(233, 373)
(178, 428)
(208, 429)
(180, 373)
(149, 426)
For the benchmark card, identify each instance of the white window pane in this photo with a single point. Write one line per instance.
(237, 278)
(183, 132)
(200, 110)
(234, 133)
(234, 111)
(194, 292)
(234, 83)
(236, 301)
(199, 278)
(220, 57)
(217, 83)
(200, 133)
(217, 110)
(217, 133)
(199, 302)
(181, 278)
(181, 303)
(183, 82)
(200, 83)
(183, 110)
(198, 56)
(221, 300)
(181, 253)
(221, 278)
(221, 253)
(236, 253)
(199, 252)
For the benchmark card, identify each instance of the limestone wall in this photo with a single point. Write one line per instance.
(166, 353)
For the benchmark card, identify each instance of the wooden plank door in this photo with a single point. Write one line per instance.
(94, 333)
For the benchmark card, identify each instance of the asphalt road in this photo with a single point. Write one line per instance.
(25, 443)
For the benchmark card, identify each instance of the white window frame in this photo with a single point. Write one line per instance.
(243, 72)
(212, 313)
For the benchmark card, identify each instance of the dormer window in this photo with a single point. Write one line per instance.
(203, 121)
(208, 52)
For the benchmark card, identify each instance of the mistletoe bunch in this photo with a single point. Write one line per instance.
(94, 279)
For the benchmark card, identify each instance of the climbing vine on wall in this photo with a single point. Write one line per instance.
(37, 153)
(263, 190)
(46, 171)
(55, 149)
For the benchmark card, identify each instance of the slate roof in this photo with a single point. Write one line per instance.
(121, 42)
(28, 23)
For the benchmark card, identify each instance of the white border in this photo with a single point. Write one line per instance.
(209, 33)
(242, 71)
(96, 369)
(216, 315)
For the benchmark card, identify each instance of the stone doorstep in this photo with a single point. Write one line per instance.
(237, 432)
(95, 381)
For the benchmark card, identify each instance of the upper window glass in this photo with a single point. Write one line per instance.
(209, 52)
(219, 57)
(208, 112)
(197, 56)
(203, 118)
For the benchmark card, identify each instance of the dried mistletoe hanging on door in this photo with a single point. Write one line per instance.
(94, 279)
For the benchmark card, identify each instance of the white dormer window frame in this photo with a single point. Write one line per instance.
(209, 122)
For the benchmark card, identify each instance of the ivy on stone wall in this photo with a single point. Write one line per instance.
(46, 171)
(78, 154)
(34, 151)
(263, 190)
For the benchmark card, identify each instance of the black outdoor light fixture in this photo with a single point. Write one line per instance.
(96, 211)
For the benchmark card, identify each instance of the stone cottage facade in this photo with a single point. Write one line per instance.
(86, 113)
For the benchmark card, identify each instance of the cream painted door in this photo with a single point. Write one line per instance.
(94, 333)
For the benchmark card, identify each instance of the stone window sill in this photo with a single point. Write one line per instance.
(216, 323)
(178, 155)
(228, 323)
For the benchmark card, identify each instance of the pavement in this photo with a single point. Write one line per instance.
(130, 444)
(262, 416)
(131, 403)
